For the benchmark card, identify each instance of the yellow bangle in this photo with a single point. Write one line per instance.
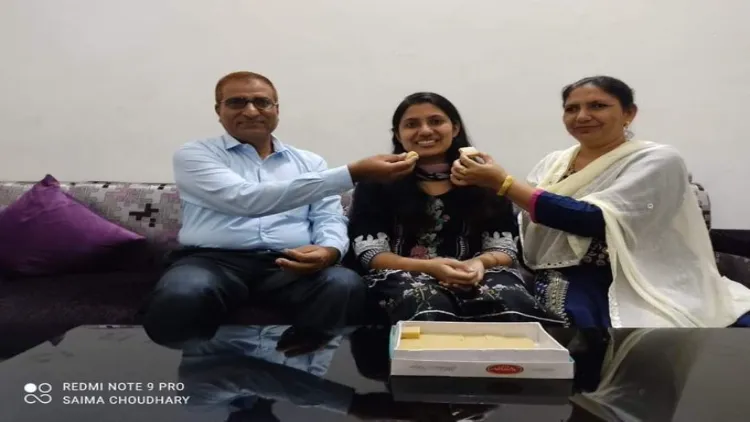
(506, 185)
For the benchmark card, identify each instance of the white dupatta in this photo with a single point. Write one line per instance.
(663, 266)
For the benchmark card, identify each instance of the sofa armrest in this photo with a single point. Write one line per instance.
(734, 267)
(734, 242)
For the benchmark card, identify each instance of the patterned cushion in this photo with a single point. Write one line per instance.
(152, 210)
(149, 209)
(47, 232)
(703, 200)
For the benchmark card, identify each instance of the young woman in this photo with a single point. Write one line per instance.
(428, 249)
(611, 227)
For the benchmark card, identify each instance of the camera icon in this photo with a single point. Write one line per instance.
(32, 389)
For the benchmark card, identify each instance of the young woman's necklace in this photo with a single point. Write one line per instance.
(433, 172)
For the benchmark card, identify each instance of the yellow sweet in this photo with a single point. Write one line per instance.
(410, 332)
(464, 342)
(472, 153)
(468, 151)
(412, 154)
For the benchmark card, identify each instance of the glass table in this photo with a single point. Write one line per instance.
(104, 373)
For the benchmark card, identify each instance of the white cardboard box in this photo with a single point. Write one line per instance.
(549, 360)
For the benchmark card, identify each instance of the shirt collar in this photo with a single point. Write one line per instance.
(230, 142)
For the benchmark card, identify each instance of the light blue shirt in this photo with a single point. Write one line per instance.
(231, 198)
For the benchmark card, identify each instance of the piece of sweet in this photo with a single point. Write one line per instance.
(410, 332)
(468, 151)
(412, 154)
(472, 153)
(446, 341)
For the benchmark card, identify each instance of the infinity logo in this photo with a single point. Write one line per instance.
(42, 388)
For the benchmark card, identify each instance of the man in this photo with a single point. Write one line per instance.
(262, 223)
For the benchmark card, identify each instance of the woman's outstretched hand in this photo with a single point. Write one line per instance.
(467, 172)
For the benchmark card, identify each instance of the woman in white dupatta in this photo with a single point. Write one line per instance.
(610, 226)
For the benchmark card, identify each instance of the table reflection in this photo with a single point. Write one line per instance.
(241, 371)
(621, 375)
(643, 374)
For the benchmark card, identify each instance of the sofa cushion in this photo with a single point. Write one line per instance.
(704, 200)
(149, 209)
(46, 231)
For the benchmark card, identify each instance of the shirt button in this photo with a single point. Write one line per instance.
(650, 206)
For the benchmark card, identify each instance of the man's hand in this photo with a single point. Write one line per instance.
(382, 168)
(309, 259)
(300, 341)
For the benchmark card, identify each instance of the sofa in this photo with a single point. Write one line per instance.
(35, 309)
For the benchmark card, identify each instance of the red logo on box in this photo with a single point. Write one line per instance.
(505, 369)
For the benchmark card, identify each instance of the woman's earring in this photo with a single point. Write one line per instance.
(628, 133)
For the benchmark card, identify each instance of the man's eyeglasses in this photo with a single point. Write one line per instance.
(239, 103)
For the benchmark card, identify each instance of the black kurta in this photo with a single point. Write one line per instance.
(501, 296)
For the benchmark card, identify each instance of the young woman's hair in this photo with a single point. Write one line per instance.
(409, 200)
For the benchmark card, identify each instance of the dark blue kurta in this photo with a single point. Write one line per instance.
(579, 294)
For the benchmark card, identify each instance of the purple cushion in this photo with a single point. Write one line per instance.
(47, 232)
